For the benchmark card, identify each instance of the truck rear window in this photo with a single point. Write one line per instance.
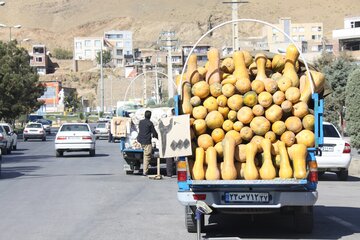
(330, 131)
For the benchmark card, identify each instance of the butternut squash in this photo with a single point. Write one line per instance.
(240, 153)
(285, 168)
(186, 106)
(298, 153)
(267, 170)
(241, 71)
(227, 65)
(198, 168)
(250, 171)
(192, 74)
(292, 55)
(260, 60)
(213, 73)
(228, 171)
(212, 171)
(319, 82)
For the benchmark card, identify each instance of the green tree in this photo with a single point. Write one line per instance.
(106, 57)
(19, 83)
(60, 53)
(71, 101)
(336, 70)
(352, 103)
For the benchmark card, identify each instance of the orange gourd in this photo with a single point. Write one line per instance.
(285, 168)
(199, 127)
(250, 171)
(214, 120)
(260, 125)
(210, 104)
(213, 70)
(195, 101)
(240, 153)
(228, 171)
(227, 65)
(243, 83)
(260, 60)
(192, 74)
(291, 56)
(212, 171)
(298, 153)
(198, 168)
(201, 89)
(205, 141)
(215, 89)
(186, 96)
(235, 102)
(246, 133)
(267, 170)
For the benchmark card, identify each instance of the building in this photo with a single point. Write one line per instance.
(86, 48)
(39, 59)
(121, 46)
(348, 38)
(200, 51)
(310, 33)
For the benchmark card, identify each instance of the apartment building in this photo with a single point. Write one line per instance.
(121, 46)
(348, 38)
(86, 48)
(39, 59)
(200, 51)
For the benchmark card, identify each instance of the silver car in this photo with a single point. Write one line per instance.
(34, 131)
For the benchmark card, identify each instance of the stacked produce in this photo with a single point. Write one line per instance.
(250, 117)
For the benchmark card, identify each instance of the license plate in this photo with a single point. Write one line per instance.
(247, 197)
(75, 138)
(327, 149)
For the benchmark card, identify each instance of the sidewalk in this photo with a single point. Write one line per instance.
(354, 169)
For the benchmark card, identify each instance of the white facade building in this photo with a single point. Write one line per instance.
(121, 46)
(348, 38)
(86, 48)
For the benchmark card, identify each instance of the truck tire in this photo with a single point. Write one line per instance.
(343, 175)
(59, 153)
(303, 219)
(190, 221)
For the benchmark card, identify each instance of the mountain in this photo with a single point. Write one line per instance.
(56, 22)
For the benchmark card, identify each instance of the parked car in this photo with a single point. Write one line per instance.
(13, 136)
(102, 130)
(336, 153)
(34, 117)
(74, 137)
(34, 131)
(0, 161)
(5, 141)
(46, 124)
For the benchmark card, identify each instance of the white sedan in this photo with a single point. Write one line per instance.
(336, 153)
(74, 137)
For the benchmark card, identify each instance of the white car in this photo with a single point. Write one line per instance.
(102, 130)
(34, 130)
(5, 141)
(10, 131)
(74, 137)
(336, 153)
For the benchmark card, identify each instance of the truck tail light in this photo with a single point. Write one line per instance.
(86, 138)
(25, 131)
(61, 138)
(200, 197)
(181, 171)
(313, 173)
(1, 138)
(347, 148)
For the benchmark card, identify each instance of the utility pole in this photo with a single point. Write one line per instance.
(101, 78)
(157, 90)
(169, 38)
(235, 25)
(144, 93)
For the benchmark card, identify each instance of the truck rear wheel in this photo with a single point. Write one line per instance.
(303, 219)
(190, 221)
(343, 175)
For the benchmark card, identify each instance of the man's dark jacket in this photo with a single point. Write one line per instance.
(146, 128)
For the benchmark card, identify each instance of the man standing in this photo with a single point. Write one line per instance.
(146, 132)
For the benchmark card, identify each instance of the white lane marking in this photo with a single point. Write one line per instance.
(351, 226)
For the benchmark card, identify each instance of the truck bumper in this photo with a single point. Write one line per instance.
(278, 200)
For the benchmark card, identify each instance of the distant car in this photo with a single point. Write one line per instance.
(34, 117)
(336, 153)
(34, 131)
(74, 137)
(46, 124)
(102, 130)
(5, 141)
(0, 161)
(13, 136)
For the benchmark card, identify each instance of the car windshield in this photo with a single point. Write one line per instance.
(75, 128)
(34, 125)
(43, 121)
(330, 131)
(101, 125)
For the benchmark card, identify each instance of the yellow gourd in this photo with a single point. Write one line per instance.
(228, 171)
(192, 73)
(285, 168)
(198, 168)
(250, 171)
(267, 170)
(186, 96)
(292, 55)
(212, 171)
(319, 82)
(260, 64)
(241, 71)
(213, 73)
(298, 153)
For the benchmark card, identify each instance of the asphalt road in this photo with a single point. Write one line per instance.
(81, 198)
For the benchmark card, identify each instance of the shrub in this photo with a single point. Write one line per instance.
(60, 53)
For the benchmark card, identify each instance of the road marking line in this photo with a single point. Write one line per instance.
(344, 223)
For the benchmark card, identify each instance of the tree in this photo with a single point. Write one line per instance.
(71, 101)
(352, 102)
(19, 83)
(106, 57)
(60, 53)
(336, 72)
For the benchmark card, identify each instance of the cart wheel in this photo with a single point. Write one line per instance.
(190, 221)
(128, 172)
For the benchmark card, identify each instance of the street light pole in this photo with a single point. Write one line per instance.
(4, 26)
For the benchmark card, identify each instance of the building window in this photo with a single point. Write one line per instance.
(319, 29)
(119, 36)
(119, 52)
(301, 29)
(127, 44)
(87, 53)
(294, 29)
(87, 43)
(357, 24)
(119, 44)
(78, 45)
(97, 43)
(295, 37)
(301, 37)
(313, 37)
(314, 48)
(119, 61)
(38, 59)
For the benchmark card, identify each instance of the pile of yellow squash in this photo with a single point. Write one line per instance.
(249, 116)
